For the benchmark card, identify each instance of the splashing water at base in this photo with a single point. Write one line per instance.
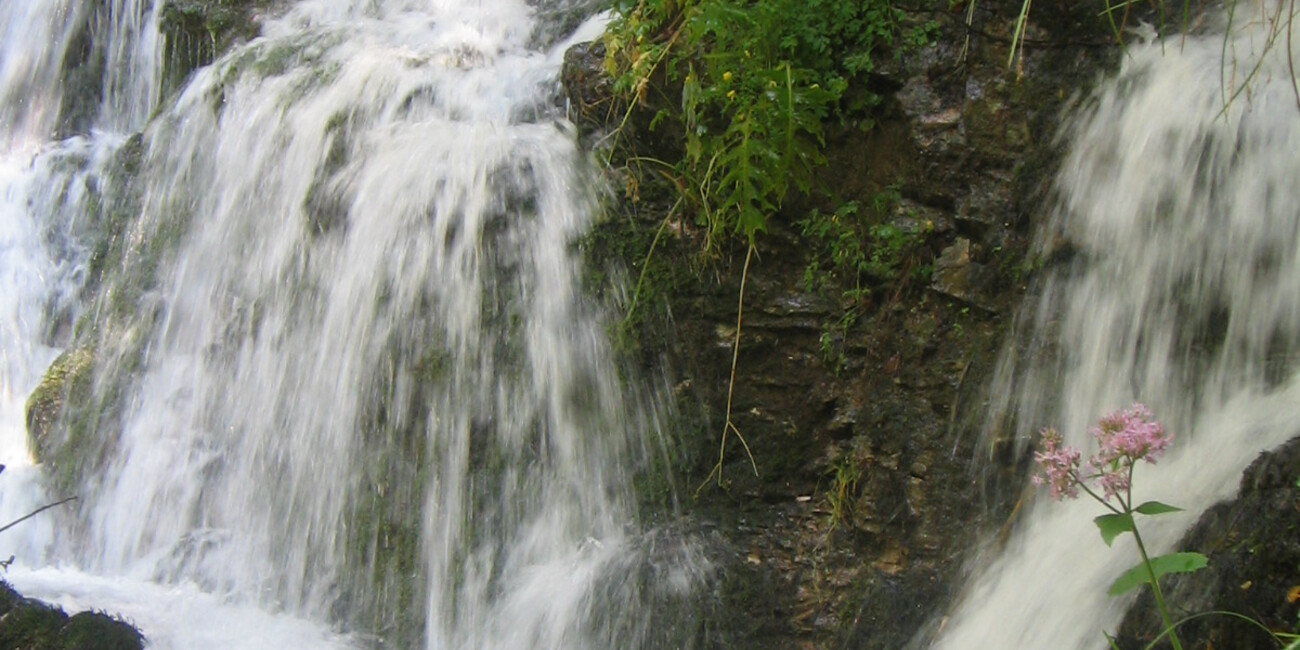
(1183, 292)
(174, 616)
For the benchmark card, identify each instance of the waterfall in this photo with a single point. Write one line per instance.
(1179, 201)
(44, 188)
(336, 381)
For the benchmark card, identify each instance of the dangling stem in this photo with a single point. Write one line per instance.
(728, 426)
(34, 512)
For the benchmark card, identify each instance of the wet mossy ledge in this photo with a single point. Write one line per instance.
(196, 32)
(27, 624)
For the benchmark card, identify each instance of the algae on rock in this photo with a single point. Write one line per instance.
(68, 380)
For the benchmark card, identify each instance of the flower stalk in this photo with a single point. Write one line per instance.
(1123, 438)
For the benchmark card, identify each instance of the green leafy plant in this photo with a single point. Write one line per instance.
(753, 84)
(841, 496)
(859, 249)
(857, 252)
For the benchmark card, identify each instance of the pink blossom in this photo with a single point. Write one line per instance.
(1113, 481)
(1123, 438)
(1059, 464)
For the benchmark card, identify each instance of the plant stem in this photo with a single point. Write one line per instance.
(728, 426)
(1155, 589)
(35, 512)
(1127, 505)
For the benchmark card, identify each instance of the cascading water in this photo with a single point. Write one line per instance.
(1181, 203)
(44, 186)
(341, 372)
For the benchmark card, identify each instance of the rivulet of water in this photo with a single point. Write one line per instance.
(1180, 200)
(346, 388)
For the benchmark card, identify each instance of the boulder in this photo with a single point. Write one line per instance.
(28, 624)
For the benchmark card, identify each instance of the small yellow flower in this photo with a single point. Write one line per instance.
(726, 76)
(731, 94)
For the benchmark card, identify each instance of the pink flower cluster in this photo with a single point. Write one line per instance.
(1123, 438)
(1059, 464)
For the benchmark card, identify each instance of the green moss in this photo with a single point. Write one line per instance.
(99, 631)
(384, 592)
(323, 207)
(73, 416)
(387, 596)
(195, 32)
(629, 254)
(32, 626)
(67, 381)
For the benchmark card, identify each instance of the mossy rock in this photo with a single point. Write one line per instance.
(33, 625)
(198, 31)
(67, 379)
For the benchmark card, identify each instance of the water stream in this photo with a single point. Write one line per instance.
(1182, 210)
(343, 387)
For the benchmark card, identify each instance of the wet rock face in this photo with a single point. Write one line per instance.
(1253, 546)
(858, 398)
(196, 32)
(33, 625)
(587, 87)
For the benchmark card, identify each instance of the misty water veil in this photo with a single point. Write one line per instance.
(322, 311)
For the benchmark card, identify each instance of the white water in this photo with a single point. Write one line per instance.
(373, 203)
(1185, 295)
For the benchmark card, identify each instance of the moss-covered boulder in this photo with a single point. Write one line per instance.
(67, 380)
(32, 625)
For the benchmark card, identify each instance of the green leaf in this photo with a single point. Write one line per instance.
(1156, 508)
(1112, 526)
(1163, 565)
(1111, 640)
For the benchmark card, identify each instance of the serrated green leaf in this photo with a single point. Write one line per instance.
(1156, 508)
(1161, 566)
(1112, 526)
